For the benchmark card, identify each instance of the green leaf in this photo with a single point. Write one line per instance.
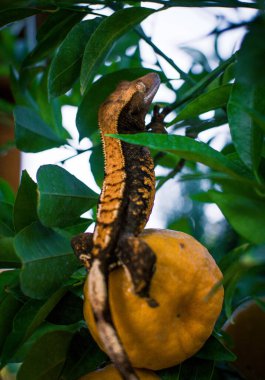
(21, 95)
(257, 117)
(103, 38)
(68, 310)
(211, 100)
(205, 81)
(245, 215)
(46, 358)
(8, 278)
(255, 256)
(5, 230)
(185, 147)
(242, 267)
(25, 208)
(6, 192)
(8, 308)
(191, 369)
(124, 54)
(62, 197)
(249, 67)
(246, 135)
(197, 57)
(44, 329)
(87, 115)
(96, 161)
(8, 304)
(47, 260)
(8, 257)
(260, 302)
(49, 109)
(26, 321)
(32, 133)
(66, 64)
(6, 214)
(52, 32)
(213, 349)
(183, 224)
(80, 226)
(10, 15)
(84, 356)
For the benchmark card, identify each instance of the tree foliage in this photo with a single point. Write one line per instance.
(79, 61)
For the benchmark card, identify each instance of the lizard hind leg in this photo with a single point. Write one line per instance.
(139, 259)
(98, 295)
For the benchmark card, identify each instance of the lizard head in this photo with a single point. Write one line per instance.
(139, 95)
(145, 89)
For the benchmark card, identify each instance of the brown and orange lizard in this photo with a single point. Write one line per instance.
(124, 207)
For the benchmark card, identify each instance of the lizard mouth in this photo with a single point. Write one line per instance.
(152, 91)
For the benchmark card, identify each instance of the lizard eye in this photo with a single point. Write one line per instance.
(140, 86)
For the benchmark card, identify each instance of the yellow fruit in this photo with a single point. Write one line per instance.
(164, 336)
(110, 373)
(246, 328)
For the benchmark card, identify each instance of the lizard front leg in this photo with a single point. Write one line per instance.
(82, 245)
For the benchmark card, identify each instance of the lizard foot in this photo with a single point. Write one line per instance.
(82, 246)
(139, 259)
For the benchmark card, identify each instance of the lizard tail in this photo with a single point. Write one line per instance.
(98, 295)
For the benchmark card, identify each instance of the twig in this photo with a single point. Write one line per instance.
(148, 40)
(202, 84)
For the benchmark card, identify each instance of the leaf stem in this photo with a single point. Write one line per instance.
(148, 40)
(200, 86)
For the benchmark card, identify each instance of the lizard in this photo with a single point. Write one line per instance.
(124, 207)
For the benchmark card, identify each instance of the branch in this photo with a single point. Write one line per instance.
(148, 40)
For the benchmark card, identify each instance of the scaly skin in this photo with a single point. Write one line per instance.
(124, 207)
